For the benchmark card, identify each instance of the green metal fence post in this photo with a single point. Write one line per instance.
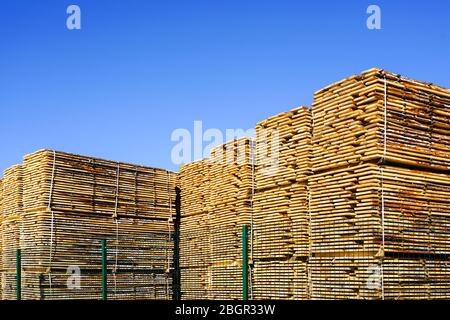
(19, 274)
(245, 262)
(104, 271)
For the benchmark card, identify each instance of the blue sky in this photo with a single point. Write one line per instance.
(137, 70)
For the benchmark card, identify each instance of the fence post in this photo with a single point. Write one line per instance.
(104, 271)
(176, 252)
(245, 262)
(19, 274)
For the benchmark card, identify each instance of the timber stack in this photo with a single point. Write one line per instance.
(380, 191)
(280, 248)
(194, 230)
(12, 211)
(61, 206)
(1, 238)
(216, 203)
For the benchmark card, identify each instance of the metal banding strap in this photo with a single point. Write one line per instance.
(49, 208)
(116, 220)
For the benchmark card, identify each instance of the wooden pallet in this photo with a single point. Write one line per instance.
(348, 118)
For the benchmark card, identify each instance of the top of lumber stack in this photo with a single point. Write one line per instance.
(194, 182)
(349, 120)
(74, 183)
(231, 172)
(283, 148)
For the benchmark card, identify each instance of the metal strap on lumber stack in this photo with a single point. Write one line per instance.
(12, 211)
(379, 197)
(71, 203)
(281, 239)
(216, 195)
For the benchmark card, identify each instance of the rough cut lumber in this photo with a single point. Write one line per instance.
(348, 118)
(216, 197)
(347, 216)
(283, 144)
(281, 280)
(360, 277)
(1, 238)
(280, 213)
(68, 204)
(12, 210)
(379, 198)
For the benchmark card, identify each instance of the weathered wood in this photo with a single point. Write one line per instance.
(66, 204)
(216, 203)
(349, 119)
(280, 215)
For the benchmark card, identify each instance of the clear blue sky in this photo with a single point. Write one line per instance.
(140, 69)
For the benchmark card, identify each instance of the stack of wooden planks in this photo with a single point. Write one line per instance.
(379, 196)
(349, 118)
(362, 277)
(280, 217)
(1, 238)
(71, 203)
(12, 210)
(194, 230)
(216, 195)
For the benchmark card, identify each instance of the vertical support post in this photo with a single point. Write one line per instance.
(19, 274)
(104, 271)
(176, 254)
(245, 262)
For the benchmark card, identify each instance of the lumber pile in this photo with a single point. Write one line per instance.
(280, 217)
(216, 203)
(403, 278)
(1, 238)
(379, 198)
(346, 211)
(349, 118)
(12, 209)
(71, 203)
(194, 230)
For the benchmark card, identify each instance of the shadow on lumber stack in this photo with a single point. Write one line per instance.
(57, 209)
(12, 212)
(1, 238)
(216, 203)
(280, 218)
(380, 190)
